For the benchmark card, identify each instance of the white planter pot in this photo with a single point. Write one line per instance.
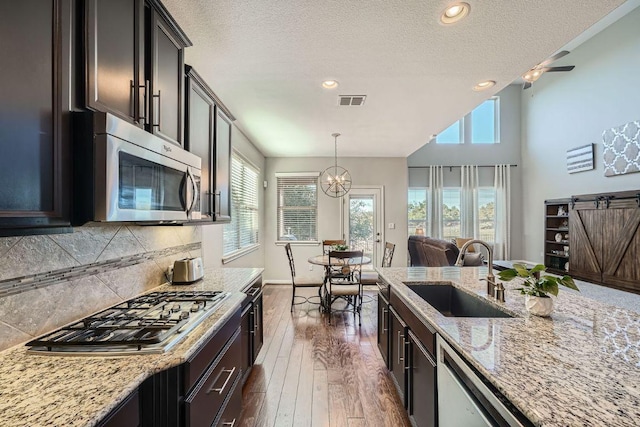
(540, 306)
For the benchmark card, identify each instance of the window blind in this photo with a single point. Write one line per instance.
(242, 231)
(297, 207)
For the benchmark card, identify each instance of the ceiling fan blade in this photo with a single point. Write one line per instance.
(553, 58)
(562, 68)
(526, 85)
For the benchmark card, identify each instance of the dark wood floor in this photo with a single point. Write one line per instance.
(310, 373)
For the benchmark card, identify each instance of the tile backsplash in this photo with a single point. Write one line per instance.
(107, 251)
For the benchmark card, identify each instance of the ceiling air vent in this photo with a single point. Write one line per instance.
(354, 100)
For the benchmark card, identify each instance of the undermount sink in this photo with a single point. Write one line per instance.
(453, 302)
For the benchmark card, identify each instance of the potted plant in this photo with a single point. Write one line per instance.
(339, 247)
(537, 287)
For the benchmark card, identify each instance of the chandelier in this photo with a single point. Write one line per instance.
(335, 180)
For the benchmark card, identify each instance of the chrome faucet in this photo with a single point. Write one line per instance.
(493, 289)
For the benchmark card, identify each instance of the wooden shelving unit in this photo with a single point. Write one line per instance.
(556, 235)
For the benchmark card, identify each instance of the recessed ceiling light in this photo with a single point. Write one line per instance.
(454, 13)
(329, 84)
(484, 85)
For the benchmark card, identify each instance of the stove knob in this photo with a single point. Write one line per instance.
(184, 315)
(175, 308)
(196, 307)
(165, 314)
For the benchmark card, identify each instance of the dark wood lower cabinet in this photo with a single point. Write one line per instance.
(422, 397)
(383, 328)
(409, 350)
(126, 414)
(397, 353)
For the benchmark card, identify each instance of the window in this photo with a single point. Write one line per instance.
(242, 233)
(484, 122)
(298, 206)
(450, 213)
(418, 222)
(452, 134)
(487, 213)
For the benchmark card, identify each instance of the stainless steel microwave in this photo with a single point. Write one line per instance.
(137, 176)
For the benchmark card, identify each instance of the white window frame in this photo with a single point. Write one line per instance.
(466, 126)
(240, 250)
(279, 208)
(461, 132)
(496, 122)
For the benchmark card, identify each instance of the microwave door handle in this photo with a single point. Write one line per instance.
(194, 194)
(182, 192)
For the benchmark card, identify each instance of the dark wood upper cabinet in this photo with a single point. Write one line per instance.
(165, 73)
(114, 49)
(34, 115)
(222, 165)
(208, 135)
(200, 114)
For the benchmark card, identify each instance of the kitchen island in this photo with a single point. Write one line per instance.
(581, 366)
(47, 390)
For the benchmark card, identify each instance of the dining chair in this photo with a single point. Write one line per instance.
(327, 244)
(300, 283)
(347, 287)
(371, 277)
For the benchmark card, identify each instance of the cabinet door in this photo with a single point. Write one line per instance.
(167, 80)
(34, 119)
(397, 353)
(199, 138)
(222, 182)
(246, 338)
(621, 247)
(422, 399)
(586, 237)
(383, 328)
(258, 335)
(114, 57)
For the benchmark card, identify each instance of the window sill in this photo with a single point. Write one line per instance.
(297, 243)
(239, 253)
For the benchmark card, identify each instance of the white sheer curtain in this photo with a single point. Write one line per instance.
(436, 178)
(469, 221)
(502, 183)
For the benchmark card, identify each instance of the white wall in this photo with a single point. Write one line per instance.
(566, 110)
(388, 172)
(212, 234)
(508, 151)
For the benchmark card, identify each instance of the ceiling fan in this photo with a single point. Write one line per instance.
(534, 74)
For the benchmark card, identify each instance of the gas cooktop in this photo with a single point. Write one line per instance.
(150, 323)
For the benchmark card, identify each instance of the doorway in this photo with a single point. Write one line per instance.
(363, 222)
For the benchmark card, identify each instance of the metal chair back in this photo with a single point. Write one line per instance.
(327, 244)
(387, 257)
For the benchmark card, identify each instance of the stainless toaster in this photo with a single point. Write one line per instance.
(186, 271)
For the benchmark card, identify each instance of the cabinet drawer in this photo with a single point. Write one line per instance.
(209, 394)
(231, 411)
(198, 363)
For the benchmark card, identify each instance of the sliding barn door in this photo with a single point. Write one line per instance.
(586, 238)
(604, 240)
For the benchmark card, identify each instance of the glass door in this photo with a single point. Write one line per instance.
(362, 223)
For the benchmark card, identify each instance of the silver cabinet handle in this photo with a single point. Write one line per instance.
(216, 211)
(145, 106)
(221, 389)
(229, 423)
(384, 320)
(159, 110)
(400, 359)
(132, 105)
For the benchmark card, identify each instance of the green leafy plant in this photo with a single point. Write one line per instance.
(534, 283)
(339, 247)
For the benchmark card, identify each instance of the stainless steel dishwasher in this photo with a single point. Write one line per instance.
(465, 400)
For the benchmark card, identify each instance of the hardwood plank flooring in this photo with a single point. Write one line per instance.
(310, 373)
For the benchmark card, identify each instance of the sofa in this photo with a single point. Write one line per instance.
(429, 252)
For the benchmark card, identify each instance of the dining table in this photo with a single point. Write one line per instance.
(327, 263)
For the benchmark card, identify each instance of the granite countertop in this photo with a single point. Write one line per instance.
(44, 390)
(581, 366)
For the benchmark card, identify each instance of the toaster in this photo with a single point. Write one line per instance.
(187, 270)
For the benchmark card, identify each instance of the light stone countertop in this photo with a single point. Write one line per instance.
(43, 390)
(580, 367)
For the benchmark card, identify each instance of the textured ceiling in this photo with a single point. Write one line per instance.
(266, 59)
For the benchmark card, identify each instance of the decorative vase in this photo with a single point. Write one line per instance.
(539, 306)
